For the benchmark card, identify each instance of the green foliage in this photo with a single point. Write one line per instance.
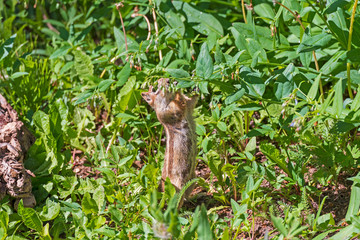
(276, 121)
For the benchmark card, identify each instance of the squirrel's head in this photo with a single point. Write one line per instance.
(169, 105)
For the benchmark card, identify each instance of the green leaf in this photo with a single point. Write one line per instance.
(355, 105)
(235, 97)
(206, 23)
(354, 204)
(278, 223)
(125, 94)
(354, 55)
(83, 66)
(42, 122)
(62, 51)
(250, 107)
(200, 130)
(123, 75)
(178, 73)
(203, 229)
(284, 85)
(19, 74)
(265, 11)
(105, 84)
(259, 33)
(314, 88)
(83, 97)
(99, 197)
(221, 126)
(6, 47)
(88, 204)
(50, 211)
(30, 217)
(338, 99)
(314, 42)
(273, 154)
(337, 24)
(175, 23)
(204, 64)
(333, 63)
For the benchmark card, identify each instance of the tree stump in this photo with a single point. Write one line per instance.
(15, 141)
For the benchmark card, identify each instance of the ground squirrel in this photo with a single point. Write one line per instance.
(175, 112)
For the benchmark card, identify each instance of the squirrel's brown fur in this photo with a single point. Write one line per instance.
(175, 112)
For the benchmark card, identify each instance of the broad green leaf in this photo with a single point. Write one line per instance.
(235, 97)
(105, 84)
(88, 204)
(337, 23)
(259, 33)
(278, 223)
(250, 107)
(6, 47)
(354, 55)
(204, 64)
(99, 197)
(178, 73)
(314, 88)
(200, 130)
(222, 126)
(30, 217)
(175, 23)
(273, 154)
(50, 211)
(203, 229)
(355, 105)
(315, 42)
(206, 23)
(83, 66)
(219, 57)
(344, 233)
(354, 204)
(42, 122)
(83, 97)
(62, 51)
(124, 95)
(120, 41)
(284, 85)
(333, 63)
(265, 10)
(338, 99)
(123, 75)
(19, 74)
(325, 220)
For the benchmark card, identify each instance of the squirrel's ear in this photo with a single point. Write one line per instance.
(148, 97)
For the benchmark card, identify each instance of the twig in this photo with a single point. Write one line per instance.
(243, 11)
(118, 6)
(156, 28)
(51, 27)
(349, 48)
(297, 18)
(147, 21)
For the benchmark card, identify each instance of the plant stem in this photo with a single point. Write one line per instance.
(243, 11)
(156, 28)
(147, 22)
(297, 18)
(118, 5)
(349, 48)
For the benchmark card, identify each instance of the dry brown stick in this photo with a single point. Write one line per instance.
(156, 28)
(147, 21)
(243, 10)
(118, 6)
(297, 18)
